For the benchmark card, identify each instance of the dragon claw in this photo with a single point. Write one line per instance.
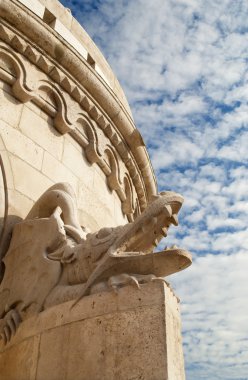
(115, 288)
(3, 337)
(133, 281)
(115, 282)
(16, 318)
(7, 333)
(9, 324)
(12, 327)
(160, 279)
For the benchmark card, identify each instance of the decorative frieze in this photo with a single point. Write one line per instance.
(48, 92)
(74, 74)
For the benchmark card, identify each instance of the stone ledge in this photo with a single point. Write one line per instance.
(100, 304)
(105, 336)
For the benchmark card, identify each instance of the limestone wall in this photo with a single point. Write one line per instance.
(64, 117)
(45, 34)
(36, 156)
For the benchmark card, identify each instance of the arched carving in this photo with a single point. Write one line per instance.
(19, 87)
(113, 178)
(23, 93)
(91, 147)
(136, 209)
(128, 203)
(61, 121)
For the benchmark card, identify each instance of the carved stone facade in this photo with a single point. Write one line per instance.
(67, 89)
(80, 213)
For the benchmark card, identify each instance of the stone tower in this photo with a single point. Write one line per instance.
(82, 294)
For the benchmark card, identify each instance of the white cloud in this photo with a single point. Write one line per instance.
(186, 105)
(183, 150)
(215, 223)
(212, 171)
(236, 150)
(214, 313)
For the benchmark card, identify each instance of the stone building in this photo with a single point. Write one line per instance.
(64, 119)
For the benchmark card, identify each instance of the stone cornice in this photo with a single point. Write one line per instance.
(76, 76)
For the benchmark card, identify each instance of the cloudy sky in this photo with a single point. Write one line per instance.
(184, 67)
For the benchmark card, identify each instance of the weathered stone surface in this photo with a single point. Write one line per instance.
(56, 171)
(73, 159)
(22, 172)
(20, 145)
(41, 132)
(20, 361)
(10, 109)
(51, 259)
(105, 337)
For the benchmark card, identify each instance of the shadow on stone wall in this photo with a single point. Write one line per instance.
(6, 237)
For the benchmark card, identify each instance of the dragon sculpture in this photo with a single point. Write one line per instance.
(52, 259)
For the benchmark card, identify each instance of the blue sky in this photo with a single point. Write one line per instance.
(183, 65)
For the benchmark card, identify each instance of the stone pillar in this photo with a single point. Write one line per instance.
(134, 334)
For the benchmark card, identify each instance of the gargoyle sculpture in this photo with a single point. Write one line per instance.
(52, 259)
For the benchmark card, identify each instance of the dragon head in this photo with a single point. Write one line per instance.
(144, 234)
(130, 247)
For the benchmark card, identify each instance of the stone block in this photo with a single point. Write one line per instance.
(94, 52)
(53, 363)
(134, 334)
(10, 109)
(105, 194)
(19, 204)
(27, 180)
(63, 14)
(74, 159)
(19, 362)
(35, 6)
(33, 107)
(21, 146)
(70, 38)
(57, 172)
(4, 86)
(41, 132)
(94, 213)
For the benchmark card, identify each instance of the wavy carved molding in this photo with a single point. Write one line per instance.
(30, 35)
(50, 92)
